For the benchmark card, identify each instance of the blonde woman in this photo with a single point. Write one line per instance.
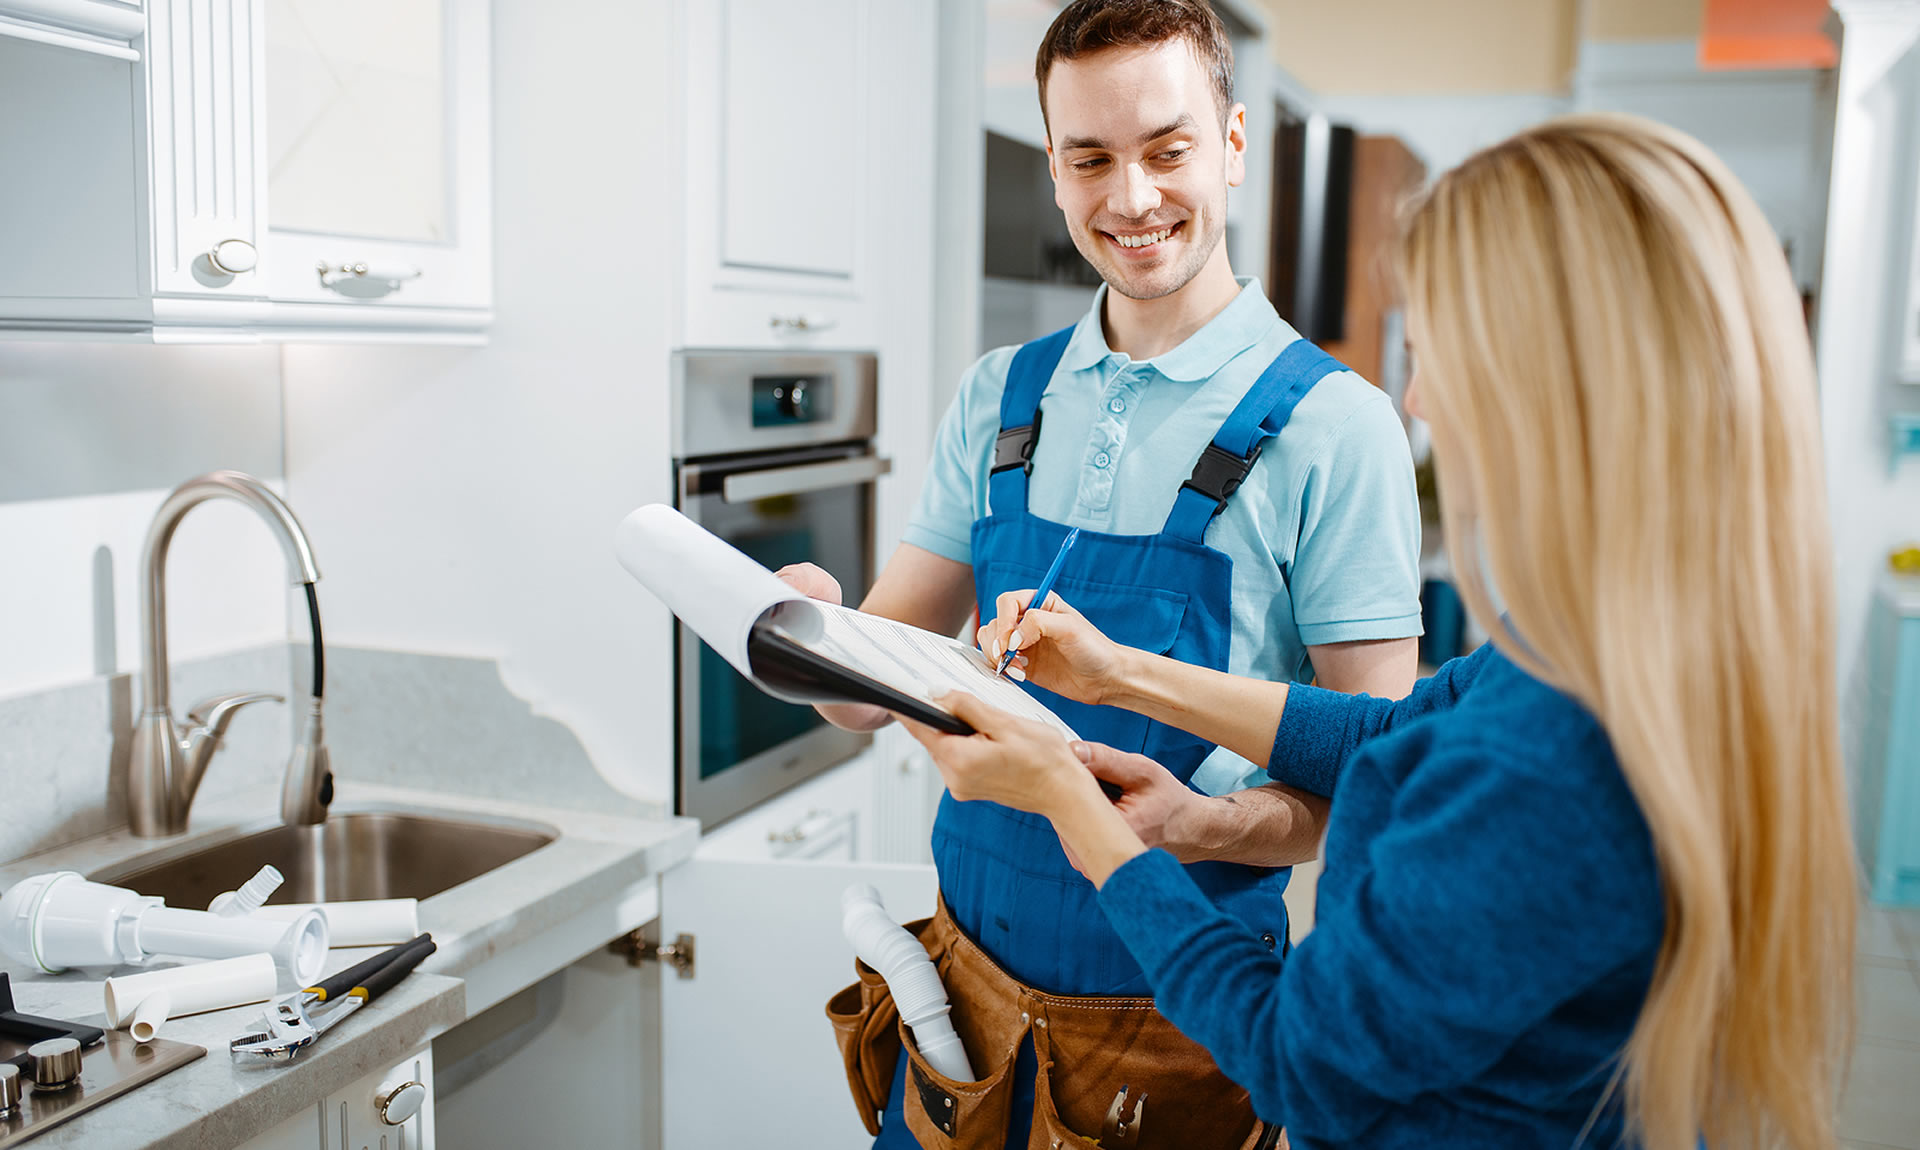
(1593, 881)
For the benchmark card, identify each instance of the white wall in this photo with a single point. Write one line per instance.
(1876, 149)
(1443, 128)
(1769, 127)
(468, 496)
(105, 431)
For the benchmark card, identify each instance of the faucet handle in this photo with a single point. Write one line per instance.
(211, 716)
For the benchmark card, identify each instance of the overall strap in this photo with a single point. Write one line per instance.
(1027, 379)
(1260, 415)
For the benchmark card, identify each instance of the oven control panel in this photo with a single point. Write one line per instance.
(780, 400)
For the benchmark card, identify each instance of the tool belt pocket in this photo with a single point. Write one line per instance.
(947, 1115)
(867, 1026)
(1116, 1072)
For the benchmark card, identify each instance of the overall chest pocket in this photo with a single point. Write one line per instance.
(1147, 618)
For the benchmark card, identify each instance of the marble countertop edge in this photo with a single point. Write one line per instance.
(212, 1102)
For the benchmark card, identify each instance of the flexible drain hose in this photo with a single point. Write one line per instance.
(900, 959)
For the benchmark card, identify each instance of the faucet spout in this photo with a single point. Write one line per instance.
(165, 772)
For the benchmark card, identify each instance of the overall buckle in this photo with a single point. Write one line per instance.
(1014, 446)
(1219, 473)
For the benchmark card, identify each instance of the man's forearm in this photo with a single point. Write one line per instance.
(1269, 825)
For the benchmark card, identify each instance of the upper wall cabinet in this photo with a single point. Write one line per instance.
(788, 123)
(246, 169)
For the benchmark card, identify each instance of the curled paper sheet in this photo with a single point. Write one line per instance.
(713, 588)
(184, 990)
(366, 922)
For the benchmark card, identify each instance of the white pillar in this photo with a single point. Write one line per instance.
(1870, 216)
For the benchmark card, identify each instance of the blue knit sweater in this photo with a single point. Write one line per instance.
(1485, 929)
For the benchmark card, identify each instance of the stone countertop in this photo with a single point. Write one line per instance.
(216, 1102)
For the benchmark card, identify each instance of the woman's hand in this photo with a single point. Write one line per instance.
(1028, 766)
(1059, 649)
(1009, 760)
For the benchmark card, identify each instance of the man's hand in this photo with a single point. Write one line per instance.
(1268, 825)
(811, 580)
(1160, 808)
(1058, 648)
(814, 582)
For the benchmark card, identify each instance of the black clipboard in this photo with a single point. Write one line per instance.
(779, 660)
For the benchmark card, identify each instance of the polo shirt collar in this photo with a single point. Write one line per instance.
(1239, 326)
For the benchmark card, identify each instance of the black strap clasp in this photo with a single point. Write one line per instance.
(1219, 473)
(1014, 446)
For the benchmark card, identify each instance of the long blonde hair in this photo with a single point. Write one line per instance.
(1622, 396)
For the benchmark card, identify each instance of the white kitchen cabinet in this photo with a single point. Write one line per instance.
(391, 1108)
(793, 110)
(184, 170)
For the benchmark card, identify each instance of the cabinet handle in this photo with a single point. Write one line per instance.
(233, 257)
(801, 324)
(361, 274)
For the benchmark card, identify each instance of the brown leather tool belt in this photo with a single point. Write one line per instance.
(1111, 1069)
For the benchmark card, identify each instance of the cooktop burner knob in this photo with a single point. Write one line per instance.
(9, 1089)
(56, 1063)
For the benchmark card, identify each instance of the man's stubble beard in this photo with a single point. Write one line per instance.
(1110, 268)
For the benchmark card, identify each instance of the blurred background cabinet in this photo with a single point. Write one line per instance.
(1888, 791)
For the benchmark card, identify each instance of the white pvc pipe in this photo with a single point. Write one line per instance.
(365, 922)
(59, 920)
(299, 946)
(153, 1010)
(917, 990)
(141, 1002)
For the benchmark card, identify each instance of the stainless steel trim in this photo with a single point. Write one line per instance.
(712, 401)
(750, 485)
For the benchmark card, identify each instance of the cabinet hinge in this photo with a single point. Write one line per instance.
(637, 948)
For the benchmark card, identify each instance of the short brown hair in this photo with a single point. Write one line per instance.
(1088, 26)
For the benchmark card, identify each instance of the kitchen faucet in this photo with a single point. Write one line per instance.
(165, 769)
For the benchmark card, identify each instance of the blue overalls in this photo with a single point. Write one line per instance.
(1003, 874)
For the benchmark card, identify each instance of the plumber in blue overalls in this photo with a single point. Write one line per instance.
(1245, 502)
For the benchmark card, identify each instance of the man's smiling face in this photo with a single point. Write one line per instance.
(1141, 164)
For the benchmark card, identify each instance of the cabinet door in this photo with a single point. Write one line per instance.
(747, 1056)
(784, 110)
(203, 67)
(377, 137)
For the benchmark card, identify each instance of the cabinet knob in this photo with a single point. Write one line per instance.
(400, 1103)
(231, 257)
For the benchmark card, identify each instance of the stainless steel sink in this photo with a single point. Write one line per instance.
(355, 855)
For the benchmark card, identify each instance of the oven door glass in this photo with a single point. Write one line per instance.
(727, 724)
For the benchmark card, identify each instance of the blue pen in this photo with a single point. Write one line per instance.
(1040, 594)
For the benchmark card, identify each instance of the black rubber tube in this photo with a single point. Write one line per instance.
(319, 648)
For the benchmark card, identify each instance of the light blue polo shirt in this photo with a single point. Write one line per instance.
(1324, 534)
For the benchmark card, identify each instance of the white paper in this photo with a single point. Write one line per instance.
(713, 588)
(721, 593)
(908, 659)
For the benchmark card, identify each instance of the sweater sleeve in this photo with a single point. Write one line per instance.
(1319, 728)
(1487, 901)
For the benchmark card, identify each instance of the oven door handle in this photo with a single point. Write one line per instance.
(748, 486)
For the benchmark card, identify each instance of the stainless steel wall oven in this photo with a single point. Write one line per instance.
(773, 452)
